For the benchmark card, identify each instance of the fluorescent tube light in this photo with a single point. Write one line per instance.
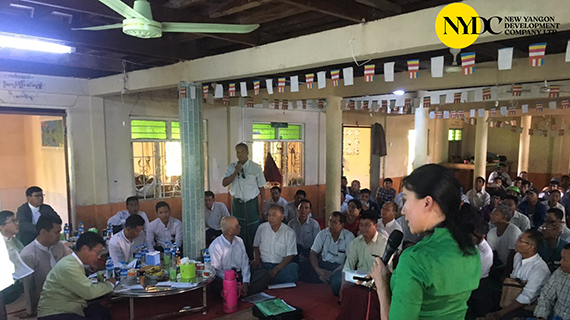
(399, 92)
(33, 44)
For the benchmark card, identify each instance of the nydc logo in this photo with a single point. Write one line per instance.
(458, 25)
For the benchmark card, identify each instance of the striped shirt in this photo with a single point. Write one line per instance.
(555, 296)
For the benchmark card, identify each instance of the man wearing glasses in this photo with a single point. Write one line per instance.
(29, 213)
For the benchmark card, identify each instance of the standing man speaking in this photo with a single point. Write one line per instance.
(247, 182)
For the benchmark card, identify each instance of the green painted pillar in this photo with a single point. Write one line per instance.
(190, 102)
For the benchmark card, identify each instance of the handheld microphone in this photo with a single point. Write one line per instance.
(394, 242)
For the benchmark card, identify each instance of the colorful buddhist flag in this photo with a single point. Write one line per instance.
(439, 115)
(554, 92)
(539, 107)
(335, 76)
(205, 91)
(457, 97)
(250, 103)
(232, 90)
(536, 54)
(564, 104)
(486, 93)
(460, 114)
(493, 112)
(321, 103)
(453, 114)
(427, 102)
(285, 104)
(413, 68)
(182, 92)
(275, 103)
(365, 104)
(369, 71)
(226, 100)
(468, 62)
(516, 90)
(512, 110)
(351, 104)
(256, 87)
(384, 106)
(310, 80)
(560, 132)
(281, 85)
(304, 104)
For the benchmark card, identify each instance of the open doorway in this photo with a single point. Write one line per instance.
(34, 153)
(356, 154)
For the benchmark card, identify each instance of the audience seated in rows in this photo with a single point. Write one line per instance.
(293, 205)
(353, 216)
(276, 199)
(533, 209)
(554, 297)
(385, 193)
(554, 201)
(367, 203)
(29, 213)
(486, 210)
(164, 229)
(67, 289)
(388, 221)
(551, 250)
(306, 230)
(354, 189)
(478, 197)
(502, 238)
(213, 213)
(41, 255)
(118, 220)
(275, 247)
(501, 173)
(557, 216)
(123, 244)
(517, 218)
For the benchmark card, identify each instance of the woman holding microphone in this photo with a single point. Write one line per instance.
(435, 277)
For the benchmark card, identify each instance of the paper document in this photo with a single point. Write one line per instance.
(262, 296)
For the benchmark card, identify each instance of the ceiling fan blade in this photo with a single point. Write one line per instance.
(208, 27)
(121, 8)
(105, 27)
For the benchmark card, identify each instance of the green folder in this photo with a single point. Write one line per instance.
(273, 307)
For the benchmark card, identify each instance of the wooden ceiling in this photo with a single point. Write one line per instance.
(103, 53)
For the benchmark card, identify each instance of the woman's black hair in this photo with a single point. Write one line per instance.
(356, 202)
(439, 183)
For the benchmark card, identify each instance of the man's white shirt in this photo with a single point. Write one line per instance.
(157, 233)
(121, 249)
(226, 255)
(214, 217)
(246, 188)
(275, 246)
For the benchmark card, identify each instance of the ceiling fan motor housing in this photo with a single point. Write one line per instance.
(141, 28)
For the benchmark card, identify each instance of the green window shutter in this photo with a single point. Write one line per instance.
(175, 130)
(292, 132)
(263, 131)
(148, 129)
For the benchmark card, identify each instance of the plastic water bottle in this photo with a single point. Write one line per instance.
(176, 253)
(207, 260)
(66, 232)
(81, 229)
(124, 272)
(166, 255)
(110, 268)
(138, 256)
(144, 251)
(109, 231)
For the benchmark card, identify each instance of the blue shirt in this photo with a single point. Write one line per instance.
(536, 216)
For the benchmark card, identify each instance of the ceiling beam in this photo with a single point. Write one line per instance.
(248, 39)
(76, 60)
(383, 5)
(84, 6)
(338, 8)
(235, 6)
(179, 4)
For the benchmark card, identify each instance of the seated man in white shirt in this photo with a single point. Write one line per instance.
(388, 221)
(123, 244)
(213, 214)
(306, 229)
(164, 229)
(328, 252)
(118, 220)
(478, 197)
(275, 247)
(502, 238)
(517, 218)
(276, 199)
(228, 252)
(41, 255)
(529, 267)
(557, 215)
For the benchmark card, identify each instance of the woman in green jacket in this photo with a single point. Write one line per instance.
(435, 277)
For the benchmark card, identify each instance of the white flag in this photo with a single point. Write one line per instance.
(219, 93)
(389, 71)
(567, 58)
(525, 108)
(552, 105)
(437, 67)
(243, 89)
(503, 110)
(472, 113)
(432, 114)
(479, 94)
(322, 79)
(295, 84)
(505, 58)
(446, 114)
(481, 112)
(348, 76)
(269, 85)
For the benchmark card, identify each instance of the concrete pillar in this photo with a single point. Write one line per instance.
(333, 154)
(481, 133)
(441, 143)
(524, 144)
(421, 131)
(374, 166)
(192, 169)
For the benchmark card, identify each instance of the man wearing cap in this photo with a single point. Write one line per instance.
(533, 209)
(514, 191)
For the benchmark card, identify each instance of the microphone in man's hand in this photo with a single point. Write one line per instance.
(394, 242)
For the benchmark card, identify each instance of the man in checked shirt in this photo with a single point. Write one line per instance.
(554, 298)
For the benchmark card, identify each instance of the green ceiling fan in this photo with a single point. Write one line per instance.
(138, 22)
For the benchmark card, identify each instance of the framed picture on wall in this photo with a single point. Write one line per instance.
(52, 133)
